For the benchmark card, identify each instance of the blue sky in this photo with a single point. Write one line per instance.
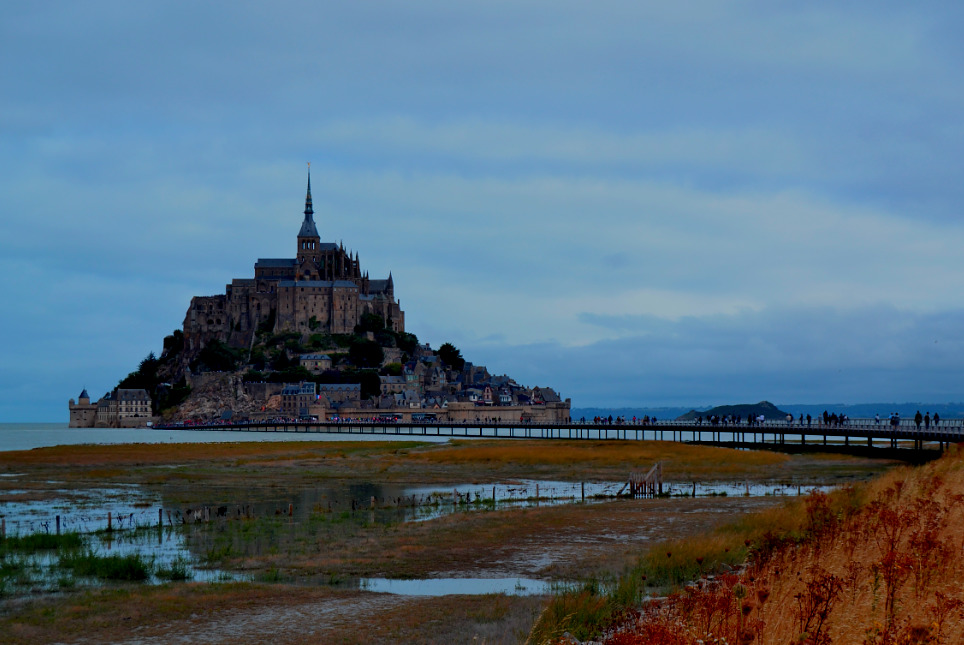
(637, 203)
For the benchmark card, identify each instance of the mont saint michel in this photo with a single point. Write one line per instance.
(309, 337)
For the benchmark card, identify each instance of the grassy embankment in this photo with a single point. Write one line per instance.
(874, 564)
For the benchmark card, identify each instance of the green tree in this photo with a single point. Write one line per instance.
(216, 357)
(365, 353)
(371, 385)
(145, 377)
(451, 356)
(370, 322)
(406, 342)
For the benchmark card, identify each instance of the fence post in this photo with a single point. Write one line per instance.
(160, 518)
(109, 527)
(58, 525)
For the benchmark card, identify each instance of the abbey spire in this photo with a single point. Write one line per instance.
(308, 226)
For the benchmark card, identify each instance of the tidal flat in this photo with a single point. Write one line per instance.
(291, 541)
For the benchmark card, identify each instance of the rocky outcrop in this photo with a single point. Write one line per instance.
(214, 393)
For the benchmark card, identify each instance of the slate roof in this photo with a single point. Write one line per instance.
(339, 387)
(308, 228)
(274, 263)
(317, 283)
(307, 387)
(132, 395)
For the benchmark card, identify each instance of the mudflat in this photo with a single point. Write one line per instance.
(301, 526)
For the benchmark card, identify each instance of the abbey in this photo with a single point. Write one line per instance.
(320, 290)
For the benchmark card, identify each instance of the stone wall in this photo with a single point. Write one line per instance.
(468, 413)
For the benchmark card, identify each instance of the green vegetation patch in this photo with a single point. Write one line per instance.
(41, 542)
(130, 567)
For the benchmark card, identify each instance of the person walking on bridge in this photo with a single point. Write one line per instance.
(927, 421)
(917, 419)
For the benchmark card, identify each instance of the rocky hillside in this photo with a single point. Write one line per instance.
(214, 392)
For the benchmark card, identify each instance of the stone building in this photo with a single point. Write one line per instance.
(315, 363)
(83, 413)
(339, 394)
(122, 408)
(297, 399)
(321, 290)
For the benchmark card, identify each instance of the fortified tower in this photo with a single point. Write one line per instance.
(83, 412)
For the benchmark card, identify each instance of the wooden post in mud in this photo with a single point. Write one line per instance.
(455, 497)
(537, 493)
(58, 525)
(109, 527)
(584, 491)
(493, 494)
(291, 509)
(3, 528)
(373, 502)
(160, 518)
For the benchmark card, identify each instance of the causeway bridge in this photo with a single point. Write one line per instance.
(855, 435)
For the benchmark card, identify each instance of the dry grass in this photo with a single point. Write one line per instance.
(606, 453)
(607, 458)
(167, 453)
(856, 555)
(877, 566)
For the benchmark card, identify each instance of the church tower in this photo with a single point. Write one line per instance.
(309, 244)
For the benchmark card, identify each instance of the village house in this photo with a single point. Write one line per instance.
(315, 363)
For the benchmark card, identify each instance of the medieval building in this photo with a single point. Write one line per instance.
(122, 408)
(321, 290)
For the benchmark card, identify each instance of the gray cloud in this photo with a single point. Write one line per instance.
(701, 200)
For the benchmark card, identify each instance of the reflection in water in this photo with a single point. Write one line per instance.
(209, 536)
(455, 586)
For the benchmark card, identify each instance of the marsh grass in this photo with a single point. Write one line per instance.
(176, 571)
(33, 542)
(130, 567)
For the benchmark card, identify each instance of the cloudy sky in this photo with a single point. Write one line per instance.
(638, 203)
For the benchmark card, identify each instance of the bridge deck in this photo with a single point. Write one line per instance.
(768, 434)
